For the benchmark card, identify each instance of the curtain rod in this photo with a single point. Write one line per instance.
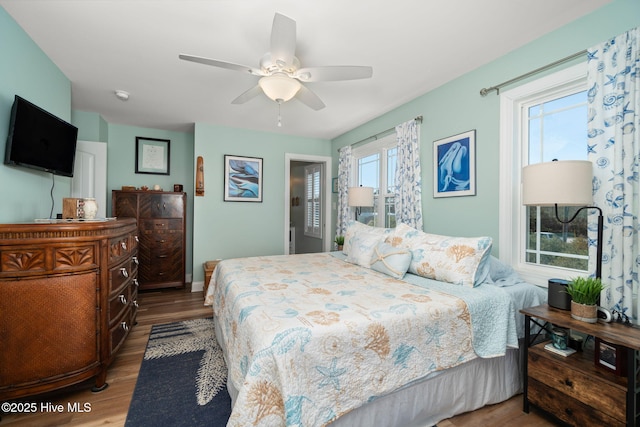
(382, 134)
(485, 91)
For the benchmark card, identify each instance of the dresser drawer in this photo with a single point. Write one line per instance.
(162, 206)
(150, 226)
(121, 247)
(119, 331)
(576, 377)
(119, 303)
(121, 274)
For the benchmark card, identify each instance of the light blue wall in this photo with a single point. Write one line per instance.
(91, 126)
(224, 230)
(239, 229)
(457, 107)
(26, 71)
(121, 156)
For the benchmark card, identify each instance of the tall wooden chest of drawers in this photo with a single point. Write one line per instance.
(68, 293)
(162, 230)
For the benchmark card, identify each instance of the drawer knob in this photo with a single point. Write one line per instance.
(124, 245)
(123, 299)
(568, 382)
(135, 282)
(124, 272)
(136, 237)
(135, 260)
(135, 304)
(124, 326)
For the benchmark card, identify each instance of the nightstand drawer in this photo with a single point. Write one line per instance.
(576, 377)
(569, 410)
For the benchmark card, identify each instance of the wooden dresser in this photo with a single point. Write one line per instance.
(573, 388)
(162, 231)
(68, 295)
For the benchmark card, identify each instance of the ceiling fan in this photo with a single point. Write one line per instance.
(280, 71)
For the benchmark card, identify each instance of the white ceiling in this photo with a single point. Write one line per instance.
(413, 46)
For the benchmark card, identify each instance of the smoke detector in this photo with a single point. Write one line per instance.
(122, 95)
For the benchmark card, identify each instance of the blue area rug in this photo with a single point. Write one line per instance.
(182, 380)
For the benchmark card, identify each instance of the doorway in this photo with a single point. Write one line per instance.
(293, 221)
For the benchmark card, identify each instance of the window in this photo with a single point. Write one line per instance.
(375, 166)
(541, 121)
(312, 197)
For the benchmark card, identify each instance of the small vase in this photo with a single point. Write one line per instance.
(585, 313)
(90, 208)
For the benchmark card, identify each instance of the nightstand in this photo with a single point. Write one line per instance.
(573, 388)
(209, 267)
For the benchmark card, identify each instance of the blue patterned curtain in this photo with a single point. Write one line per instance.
(408, 194)
(344, 176)
(614, 148)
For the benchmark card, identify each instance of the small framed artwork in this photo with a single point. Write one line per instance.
(242, 179)
(454, 169)
(611, 357)
(152, 155)
(334, 185)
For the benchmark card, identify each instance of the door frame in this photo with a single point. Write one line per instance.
(326, 196)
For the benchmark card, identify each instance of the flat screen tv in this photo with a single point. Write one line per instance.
(37, 139)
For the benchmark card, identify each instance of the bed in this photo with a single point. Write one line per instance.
(329, 339)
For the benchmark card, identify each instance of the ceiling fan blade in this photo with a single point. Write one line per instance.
(283, 40)
(309, 98)
(333, 73)
(221, 64)
(246, 96)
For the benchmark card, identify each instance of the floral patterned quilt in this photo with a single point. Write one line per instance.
(310, 337)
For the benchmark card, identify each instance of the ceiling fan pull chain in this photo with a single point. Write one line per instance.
(279, 116)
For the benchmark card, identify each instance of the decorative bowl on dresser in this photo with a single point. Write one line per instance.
(68, 293)
(161, 227)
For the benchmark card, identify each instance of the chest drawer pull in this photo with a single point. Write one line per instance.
(136, 237)
(135, 303)
(568, 382)
(124, 272)
(124, 245)
(135, 260)
(124, 326)
(135, 282)
(123, 299)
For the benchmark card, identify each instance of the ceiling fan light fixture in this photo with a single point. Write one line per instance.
(279, 87)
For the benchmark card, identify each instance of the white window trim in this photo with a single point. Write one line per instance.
(379, 146)
(511, 211)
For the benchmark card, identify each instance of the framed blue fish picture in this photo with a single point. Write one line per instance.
(454, 171)
(242, 179)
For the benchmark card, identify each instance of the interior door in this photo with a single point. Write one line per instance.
(90, 173)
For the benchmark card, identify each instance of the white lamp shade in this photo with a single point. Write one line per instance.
(279, 87)
(563, 183)
(360, 196)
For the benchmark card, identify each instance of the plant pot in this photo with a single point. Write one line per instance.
(339, 247)
(585, 313)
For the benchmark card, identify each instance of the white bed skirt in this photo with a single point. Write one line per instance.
(441, 395)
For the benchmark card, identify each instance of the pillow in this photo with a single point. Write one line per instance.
(362, 247)
(458, 260)
(391, 261)
(501, 274)
(354, 227)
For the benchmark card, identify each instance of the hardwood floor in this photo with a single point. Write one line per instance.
(110, 406)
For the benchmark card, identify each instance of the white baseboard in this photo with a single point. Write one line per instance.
(197, 286)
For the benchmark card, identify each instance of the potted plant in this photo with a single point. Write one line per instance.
(340, 242)
(584, 292)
